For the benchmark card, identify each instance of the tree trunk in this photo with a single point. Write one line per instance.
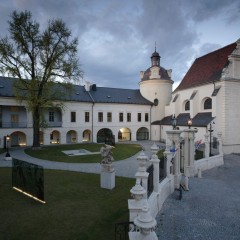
(36, 127)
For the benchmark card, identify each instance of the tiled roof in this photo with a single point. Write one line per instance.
(162, 72)
(99, 95)
(207, 68)
(199, 120)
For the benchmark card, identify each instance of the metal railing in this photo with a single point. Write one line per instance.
(122, 229)
(13, 124)
(150, 180)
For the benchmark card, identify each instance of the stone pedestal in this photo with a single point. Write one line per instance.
(107, 176)
(8, 158)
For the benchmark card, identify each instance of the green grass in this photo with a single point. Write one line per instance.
(2, 150)
(54, 153)
(77, 208)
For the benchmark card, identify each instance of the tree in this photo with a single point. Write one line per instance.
(38, 59)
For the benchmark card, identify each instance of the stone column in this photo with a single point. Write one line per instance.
(219, 134)
(146, 224)
(136, 204)
(141, 172)
(189, 152)
(206, 145)
(155, 161)
(174, 136)
(168, 158)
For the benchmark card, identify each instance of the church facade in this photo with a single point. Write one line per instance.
(208, 94)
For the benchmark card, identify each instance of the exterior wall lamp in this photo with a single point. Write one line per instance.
(189, 123)
(7, 140)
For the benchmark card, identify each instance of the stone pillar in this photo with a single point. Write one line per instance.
(219, 134)
(146, 224)
(141, 172)
(155, 161)
(206, 145)
(136, 204)
(168, 158)
(107, 176)
(174, 136)
(189, 152)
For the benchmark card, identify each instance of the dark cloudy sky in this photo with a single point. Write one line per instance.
(117, 37)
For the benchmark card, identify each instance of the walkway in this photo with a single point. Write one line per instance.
(124, 168)
(210, 210)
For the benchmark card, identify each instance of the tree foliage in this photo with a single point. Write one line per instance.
(38, 59)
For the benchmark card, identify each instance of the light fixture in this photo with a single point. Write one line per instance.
(189, 123)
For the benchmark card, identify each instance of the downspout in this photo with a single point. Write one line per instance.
(93, 102)
(151, 122)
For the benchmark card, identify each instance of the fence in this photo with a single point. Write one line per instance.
(122, 229)
(150, 180)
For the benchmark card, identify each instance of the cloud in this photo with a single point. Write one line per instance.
(117, 38)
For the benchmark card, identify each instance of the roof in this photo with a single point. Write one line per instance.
(162, 72)
(79, 94)
(207, 68)
(199, 120)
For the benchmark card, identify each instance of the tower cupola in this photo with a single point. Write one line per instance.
(155, 58)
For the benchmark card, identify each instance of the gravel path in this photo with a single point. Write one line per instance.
(124, 168)
(210, 210)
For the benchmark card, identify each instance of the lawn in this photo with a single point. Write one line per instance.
(54, 153)
(76, 209)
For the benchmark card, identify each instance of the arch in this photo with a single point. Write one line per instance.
(18, 139)
(55, 137)
(124, 134)
(86, 136)
(142, 134)
(104, 135)
(207, 104)
(187, 105)
(41, 138)
(71, 136)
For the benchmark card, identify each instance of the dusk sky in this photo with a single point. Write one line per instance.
(117, 37)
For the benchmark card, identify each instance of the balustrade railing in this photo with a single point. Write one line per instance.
(13, 124)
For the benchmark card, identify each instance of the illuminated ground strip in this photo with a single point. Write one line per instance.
(29, 195)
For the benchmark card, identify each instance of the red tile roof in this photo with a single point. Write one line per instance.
(207, 68)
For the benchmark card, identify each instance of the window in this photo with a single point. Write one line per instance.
(73, 116)
(100, 116)
(208, 103)
(146, 117)
(86, 116)
(129, 117)
(187, 106)
(139, 117)
(120, 117)
(109, 117)
(51, 116)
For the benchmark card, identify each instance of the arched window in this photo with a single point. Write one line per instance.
(208, 103)
(187, 106)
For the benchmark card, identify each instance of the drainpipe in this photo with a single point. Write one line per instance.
(150, 122)
(93, 102)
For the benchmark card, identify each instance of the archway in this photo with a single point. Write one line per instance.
(55, 137)
(71, 136)
(124, 134)
(142, 134)
(104, 135)
(41, 138)
(86, 137)
(18, 139)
